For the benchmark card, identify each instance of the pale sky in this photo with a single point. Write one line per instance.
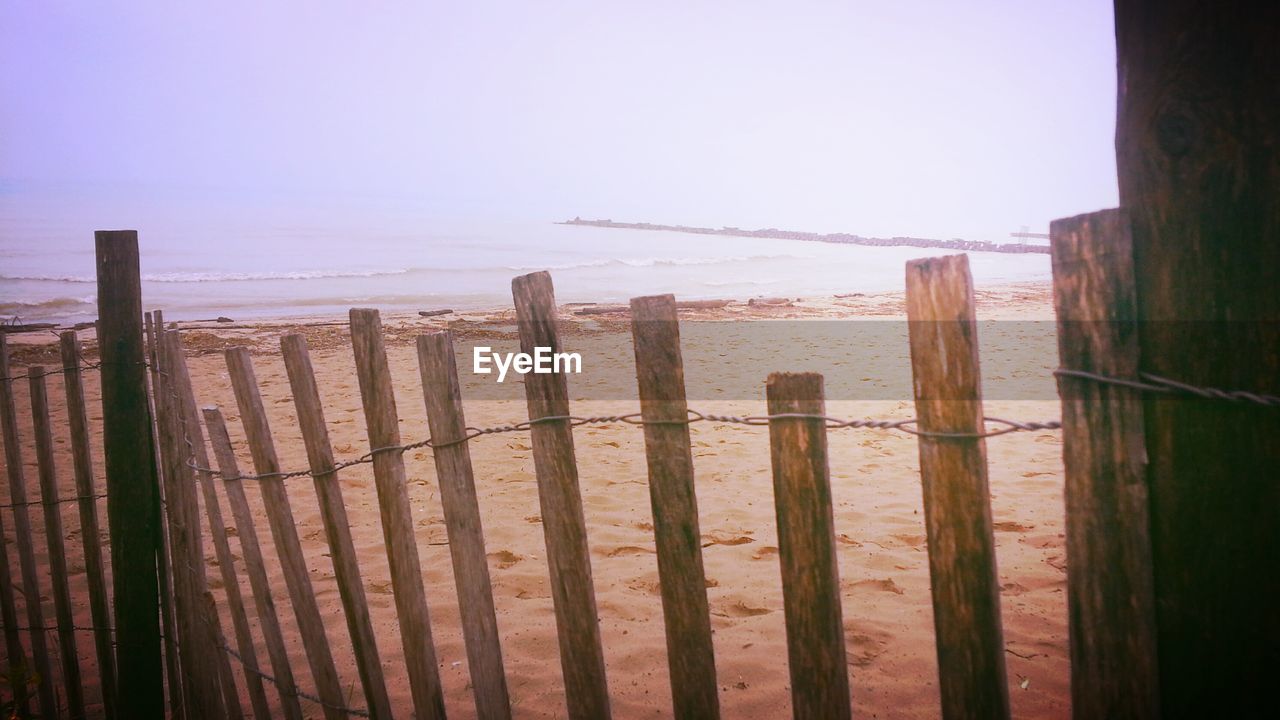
(938, 119)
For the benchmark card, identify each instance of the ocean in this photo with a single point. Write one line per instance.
(201, 266)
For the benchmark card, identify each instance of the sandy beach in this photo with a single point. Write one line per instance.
(879, 523)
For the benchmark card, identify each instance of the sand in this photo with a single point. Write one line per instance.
(883, 560)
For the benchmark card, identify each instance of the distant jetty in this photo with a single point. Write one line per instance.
(839, 238)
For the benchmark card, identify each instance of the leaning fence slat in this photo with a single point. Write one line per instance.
(204, 689)
(54, 537)
(443, 396)
(957, 507)
(333, 511)
(154, 330)
(197, 451)
(15, 654)
(560, 498)
(660, 376)
(1109, 565)
(285, 532)
(90, 531)
(255, 567)
(397, 522)
(23, 534)
(807, 548)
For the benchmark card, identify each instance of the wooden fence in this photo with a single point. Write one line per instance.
(216, 671)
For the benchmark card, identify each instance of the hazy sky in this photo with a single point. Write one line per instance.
(932, 118)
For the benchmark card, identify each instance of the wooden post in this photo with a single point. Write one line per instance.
(16, 654)
(54, 537)
(200, 678)
(154, 329)
(255, 567)
(337, 528)
(660, 375)
(197, 451)
(957, 504)
(90, 532)
(807, 548)
(397, 521)
(1198, 159)
(443, 396)
(22, 537)
(131, 475)
(563, 523)
(1109, 589)
(285, 532)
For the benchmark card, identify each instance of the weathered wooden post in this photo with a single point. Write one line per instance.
(30, 584)
(284, 530)
(131, 475)
(382, 422)
(807, 548)
(53, 533)
(90, 538)
(660, 377)
(443, 396)
(337, 528)
(1109, 582)
(1198, 155)
(255, 567)
(563, 523)
(957, 503)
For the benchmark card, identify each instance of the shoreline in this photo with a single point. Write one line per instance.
(845, 305)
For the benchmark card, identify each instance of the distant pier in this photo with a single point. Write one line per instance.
(838, 238)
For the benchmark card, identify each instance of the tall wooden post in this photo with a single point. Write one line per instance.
(560, 498)
(957, 503)
(131, 475)
(655, 332)
(1198, 155)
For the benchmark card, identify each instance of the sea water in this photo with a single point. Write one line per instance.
(251, 264)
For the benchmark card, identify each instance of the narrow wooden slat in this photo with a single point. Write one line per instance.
(397, 520)
(443, 396)
(54, 537)
(957, 507)
(337, 528)
(563, 523)
(22, 535)
(201, 686)
(154, 329)
(1110, 591)
(180, 379)
(255, 567)
(16, 655)
(660, 376)
(284, 531)
(90, 531)
(205, 692)
(807, 548)
(130, 472)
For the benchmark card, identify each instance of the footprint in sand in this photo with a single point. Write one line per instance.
(881, 584)
(504, 558)
(764, 552)
(865, 644)
(1012, 589)
(719, 537)
(739, 609)
(626, 550)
